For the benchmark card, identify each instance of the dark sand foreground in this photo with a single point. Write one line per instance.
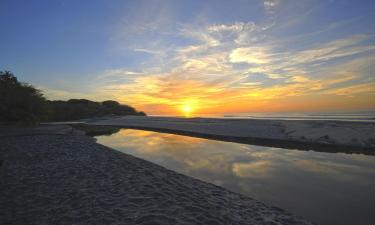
(63, 177)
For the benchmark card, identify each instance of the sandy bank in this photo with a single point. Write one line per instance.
(67, 178)
(330, 136)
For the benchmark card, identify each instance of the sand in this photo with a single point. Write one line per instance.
(63, 177)
(333, 136)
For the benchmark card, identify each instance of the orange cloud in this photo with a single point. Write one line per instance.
(229, 69)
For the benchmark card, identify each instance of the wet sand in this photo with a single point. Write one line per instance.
(63, 177)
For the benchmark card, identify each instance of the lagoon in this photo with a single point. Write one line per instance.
(327, 188)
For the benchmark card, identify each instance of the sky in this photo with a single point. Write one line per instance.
(196, 57)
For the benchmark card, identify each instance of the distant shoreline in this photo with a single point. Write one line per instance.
(343, 116)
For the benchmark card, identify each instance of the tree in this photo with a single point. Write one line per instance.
(110, 104)
(75, 109)
(20, 102)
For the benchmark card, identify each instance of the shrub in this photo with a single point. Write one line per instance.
(20, 102)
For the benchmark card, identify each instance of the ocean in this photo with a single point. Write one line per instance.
(336, 116)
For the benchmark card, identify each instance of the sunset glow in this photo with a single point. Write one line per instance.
(258, 56)
(186, 109)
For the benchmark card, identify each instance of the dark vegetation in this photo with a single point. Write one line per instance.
(75, 109)
(21, 102)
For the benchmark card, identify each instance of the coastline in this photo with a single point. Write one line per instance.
(323, 136)
(62, 177)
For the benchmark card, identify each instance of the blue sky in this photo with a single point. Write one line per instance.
(215, 56)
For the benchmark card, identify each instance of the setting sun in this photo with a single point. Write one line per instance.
(186, 108)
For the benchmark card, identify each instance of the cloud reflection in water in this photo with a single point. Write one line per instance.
(318, 186)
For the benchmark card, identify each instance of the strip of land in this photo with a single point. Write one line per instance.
(56, 175)
(327, 136)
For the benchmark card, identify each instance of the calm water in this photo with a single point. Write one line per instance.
(328, 188)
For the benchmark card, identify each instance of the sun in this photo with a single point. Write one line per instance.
(186, 109)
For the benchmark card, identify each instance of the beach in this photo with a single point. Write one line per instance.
(318, 135)
(57, 175)
(187, 112)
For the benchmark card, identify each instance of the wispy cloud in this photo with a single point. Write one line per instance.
(235, 27)
(251, 55)
(271, 5)
(235, 66)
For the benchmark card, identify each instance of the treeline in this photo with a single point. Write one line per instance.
(21, 102)
(74, 109)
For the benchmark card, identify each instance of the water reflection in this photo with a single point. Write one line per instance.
(324, 187)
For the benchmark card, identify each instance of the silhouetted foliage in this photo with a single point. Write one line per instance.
(22, 102)
(75, 109)
(110, 104)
